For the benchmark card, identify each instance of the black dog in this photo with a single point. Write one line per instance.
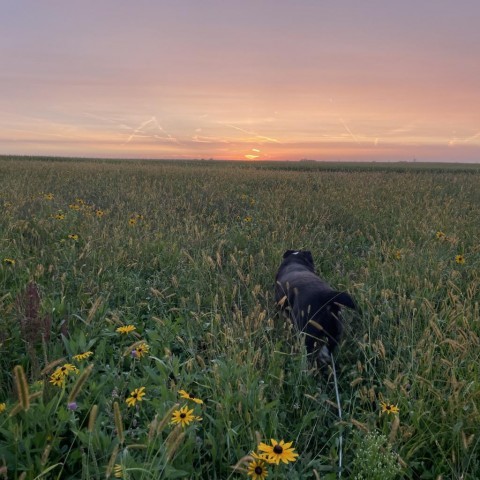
(312, 305)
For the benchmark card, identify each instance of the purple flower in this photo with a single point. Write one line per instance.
(72, 406)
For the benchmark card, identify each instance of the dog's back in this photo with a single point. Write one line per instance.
(312, 304)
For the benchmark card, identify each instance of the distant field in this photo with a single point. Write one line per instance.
(186, 252)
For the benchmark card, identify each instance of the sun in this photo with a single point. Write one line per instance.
(254, 155)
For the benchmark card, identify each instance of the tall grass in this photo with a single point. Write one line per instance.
(187, 253)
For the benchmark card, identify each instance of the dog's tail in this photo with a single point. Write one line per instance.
(342, 298)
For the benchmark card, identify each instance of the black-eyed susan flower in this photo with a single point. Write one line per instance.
(440, 235)
(141, 350)
(389, 408)
(65, 370)
(9, 261)
(189, 396)
(247, 219)
(278, 451)
(99, 213)
(57, 379)
(184, 416)
(460, 259)
(257, 469)
(126, 329)
(135, 396)
(397, 254)
(74, 206)
(132, 221)
(59, 216)
(3, 407)
(73, 236)
(82, 356)
(49, 196)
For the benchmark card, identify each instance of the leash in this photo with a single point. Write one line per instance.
(337, 394)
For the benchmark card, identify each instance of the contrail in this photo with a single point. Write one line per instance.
(348, 130)
(269, 139)
(139, 129)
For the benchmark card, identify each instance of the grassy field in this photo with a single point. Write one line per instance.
(186, 253)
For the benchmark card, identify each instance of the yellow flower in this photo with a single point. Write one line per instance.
(132, 222)
(9, 261)
(118, 471)
(49, 196)
(3, 407)
(189, 396)
(440, 235)
(99, 213)
(257, 470)
(389, 408)
(136, 396)
(460, 259)
(278, 451)
(59, 216)
(65, 370)
(74, 206)
(141, 350)
(184, 416)
(73, 236)
(82, 356)
(397, 254)
(57, 379)
(126, 329)
(247, 219)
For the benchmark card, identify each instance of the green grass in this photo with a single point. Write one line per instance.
(187, 253)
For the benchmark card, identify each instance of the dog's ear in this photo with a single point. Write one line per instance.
(307, 255)
(288, 253)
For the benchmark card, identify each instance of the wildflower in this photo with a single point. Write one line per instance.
(184, 416)
(65, 370)
(73, 236)
(9, 261)
(82, 356)
(397, 254)
(99, 213)
(257, 470)
(132, 222)
(59, 216)
(141, 350)
(3, 407)
(189, 396)
(118, 471)
(57, 379)
(49, 196)
(136, 396)
(247, 219)
(80, 201)
(460, 259)
(440, 235)
(125, 329)
(72, 406)
(74, 206)
(389, 408)
(278, 451)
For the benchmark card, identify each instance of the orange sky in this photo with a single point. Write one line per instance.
(266, 80)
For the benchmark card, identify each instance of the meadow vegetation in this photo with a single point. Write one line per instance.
(139, 336)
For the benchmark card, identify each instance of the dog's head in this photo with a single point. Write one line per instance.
(300, 257)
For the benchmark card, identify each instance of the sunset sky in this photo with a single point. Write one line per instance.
(244, 79)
